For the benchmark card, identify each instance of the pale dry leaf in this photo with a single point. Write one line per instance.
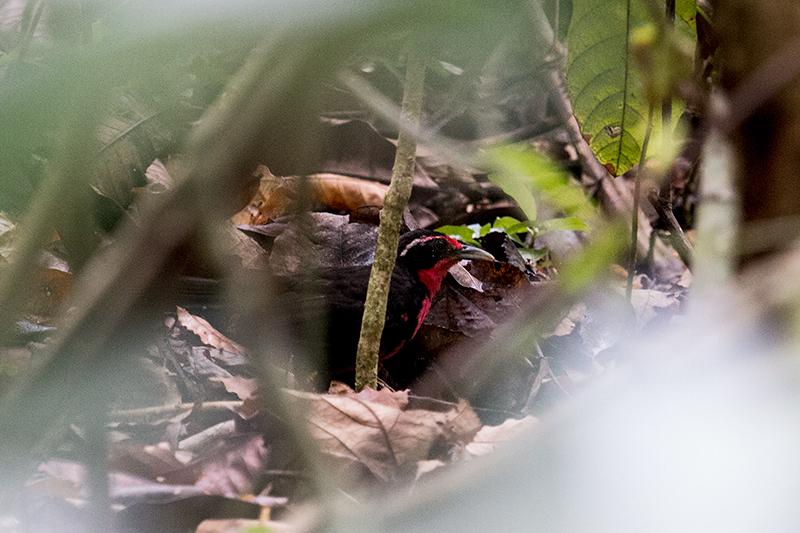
(359, 434)
(337, 387)
(8, 230)
(203, 366)
(686, 279)
(390, 398)
(463, 424)
(208, 335)
(490, 436)
(233, 525)
(574, 316)
(646, 302)
(244, 388)
(234, 465)
(158, 177)
(428, 466)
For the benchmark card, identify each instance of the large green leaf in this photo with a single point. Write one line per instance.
(605, 84)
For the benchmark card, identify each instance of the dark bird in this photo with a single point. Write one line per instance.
(336, 297)
(323, 308)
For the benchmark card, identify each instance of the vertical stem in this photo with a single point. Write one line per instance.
(635, 210)
(391, 217)
(666, 111)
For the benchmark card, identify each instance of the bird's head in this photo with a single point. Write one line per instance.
(431, 254)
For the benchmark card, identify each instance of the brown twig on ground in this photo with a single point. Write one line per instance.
(678, 238)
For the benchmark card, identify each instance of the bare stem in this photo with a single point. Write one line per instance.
(391, 217)
(635, 210)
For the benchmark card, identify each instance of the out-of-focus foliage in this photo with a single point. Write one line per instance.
(526, 175)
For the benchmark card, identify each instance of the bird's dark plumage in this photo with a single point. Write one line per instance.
(329, 309)
(323, 308)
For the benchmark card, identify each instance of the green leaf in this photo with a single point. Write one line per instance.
(687, 11)
(506, 223)
(604, 82)
(515, 239)
(533, 255)
(514, 177)
(519, 227)
(512, 227)
(568, 223)
(522, 172)
(464, 233)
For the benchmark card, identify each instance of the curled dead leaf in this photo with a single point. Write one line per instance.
(337, 192)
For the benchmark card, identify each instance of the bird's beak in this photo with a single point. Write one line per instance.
(470, 252)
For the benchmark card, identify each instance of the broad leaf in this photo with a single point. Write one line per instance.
(568, 223)
(526, 175)
(605, 84)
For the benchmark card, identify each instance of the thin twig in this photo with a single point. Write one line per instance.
(635, 211)
(677, 236)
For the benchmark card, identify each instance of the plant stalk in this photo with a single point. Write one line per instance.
(391, 217)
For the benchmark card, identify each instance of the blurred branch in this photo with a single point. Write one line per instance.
(637, 189)
(114, 283)
(719, 211)
(62, 202)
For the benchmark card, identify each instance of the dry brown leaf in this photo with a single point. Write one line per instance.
(51, 288)
(208, 335)
(388, 397)
(145, 461)
(464, 424)
(203, 365)
(275, 194)
(343, 193)
(270, 201)
(646, 302)
(361, 435)
(234, 465)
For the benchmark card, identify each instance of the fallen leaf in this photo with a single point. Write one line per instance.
(490, 436)
(233, 466)
(646, 302)
(343, 193)
(242, 525)
(51, 288)
(208, 335)
(244, 388)
(365, 437)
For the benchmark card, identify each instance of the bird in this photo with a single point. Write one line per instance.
(335, 297)
(321, 309)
